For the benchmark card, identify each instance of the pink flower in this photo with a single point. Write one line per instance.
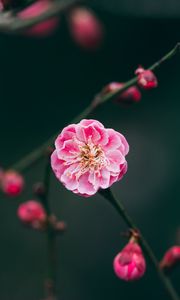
(88, 157)
(146, 78)
(85, 28)
(12, 183)
(44, 28)
(130, 264)
(31, 213)
(171, 258)
(132, 94)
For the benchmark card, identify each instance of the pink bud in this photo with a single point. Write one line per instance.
(171, 258)
(12, 183)
(146, 78)
(31, 213)
(130, 264)
(85, 28)
(132, 94)
(44, 28)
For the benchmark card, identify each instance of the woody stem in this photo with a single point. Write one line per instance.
(108, 195)
(35, 155)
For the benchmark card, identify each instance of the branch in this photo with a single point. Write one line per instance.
(11, 23)
(35, 155)
(107, 194)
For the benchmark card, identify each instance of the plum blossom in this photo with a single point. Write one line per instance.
(89, 157)
(130, 264)
(85, 28)
(31, 213)
(12, 183)
(44, 28)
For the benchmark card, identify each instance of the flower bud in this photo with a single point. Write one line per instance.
(85, 28)
(41, 29)
(130, 264)
(146, 78)
(32, 213)
(171, 258)
(132, 94)
(12, 183)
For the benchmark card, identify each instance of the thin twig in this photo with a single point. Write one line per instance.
(107, 194)
(35, 155)
(50, 284)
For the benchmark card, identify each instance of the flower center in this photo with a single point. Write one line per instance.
(92, 158)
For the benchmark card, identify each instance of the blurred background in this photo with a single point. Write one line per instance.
(44, 84)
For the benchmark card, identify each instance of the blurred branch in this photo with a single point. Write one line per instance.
(35, 155)
(11, 23)
(107, 194)
(50, 282)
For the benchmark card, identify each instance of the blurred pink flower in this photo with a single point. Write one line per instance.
(88, 157)
(41, 29)
(132, 94)
(85, 28)
(146, 78)
(130, 264)
(31, 213)
(12, 183)
(171, 258)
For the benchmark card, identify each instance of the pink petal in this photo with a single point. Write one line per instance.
(68, 178)
(67, 134)
(85, 187)
(69, 151)
(87, 122)
(124, 145)
(105, 179)
(114, 140)
(57, 165)
(115, 159)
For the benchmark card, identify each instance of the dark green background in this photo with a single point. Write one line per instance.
(43, 85)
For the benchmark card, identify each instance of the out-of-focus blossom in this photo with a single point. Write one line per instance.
(41, 29)
(12, 183)
(31, 213)
(89, 156)
(85, 28)
(171, 258)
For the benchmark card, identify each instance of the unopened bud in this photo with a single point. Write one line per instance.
(12, 183)
(132, 94)
(130, 264)
(146, 78)
(171, 258)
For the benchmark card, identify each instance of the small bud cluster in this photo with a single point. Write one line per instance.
(130, 95)
(145, 80)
